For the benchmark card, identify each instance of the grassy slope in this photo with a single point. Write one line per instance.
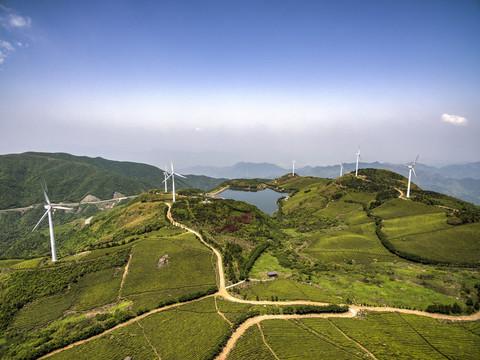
(90, 282)
(142, 226)
(327, 223)
(387, 336)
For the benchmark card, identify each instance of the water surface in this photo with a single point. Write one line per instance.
(265, 200)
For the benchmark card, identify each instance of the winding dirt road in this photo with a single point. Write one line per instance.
(353, 310)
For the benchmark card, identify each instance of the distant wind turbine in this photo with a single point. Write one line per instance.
(358, 156)
(411, 168)
(49, 208)
(341, 169)
(165, 176)
(293, 168)
(172, 175)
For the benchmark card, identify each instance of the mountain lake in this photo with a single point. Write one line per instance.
(265, 200)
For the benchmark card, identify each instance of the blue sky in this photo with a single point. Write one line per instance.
(215, 82)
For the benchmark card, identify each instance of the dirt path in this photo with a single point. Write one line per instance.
(219, 191)
(220, 313)
(258, 319)
(146, 338)
(353, 309)
(402, 194)
(265, 341)
(352, 340)
(128, 322)
(225, 294)
(125, 273)
(350, 212)
(352, 313)
(418, 312)
(23, 209)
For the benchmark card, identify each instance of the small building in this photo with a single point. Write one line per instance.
(272, 274)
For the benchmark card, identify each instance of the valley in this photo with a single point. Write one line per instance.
(347, 284)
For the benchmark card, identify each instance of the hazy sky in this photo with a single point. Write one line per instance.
(216, 82)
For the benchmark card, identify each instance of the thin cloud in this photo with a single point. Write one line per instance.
(11, 20)
(14, 25)
(19, 21)
(5, 49)
(454, 119)
(6, 45)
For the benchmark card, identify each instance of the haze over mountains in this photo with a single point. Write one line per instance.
(71, 178)
(462, 181)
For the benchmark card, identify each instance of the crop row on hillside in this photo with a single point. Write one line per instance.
(385, 335)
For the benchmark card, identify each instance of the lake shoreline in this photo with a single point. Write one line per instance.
(266, 199)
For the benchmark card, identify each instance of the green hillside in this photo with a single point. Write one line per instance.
(70, 178)
(149, 288)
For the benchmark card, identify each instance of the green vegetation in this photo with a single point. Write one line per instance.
(251, 346)
(265, 263)
(435, 240)
(192, 331)
(281, 334)
(385, 335)
(185, 269)
(344, 241)
(334, 241)
(71, 178)
(245, 184)
(239, 230)
(119, 344)
(410, 336)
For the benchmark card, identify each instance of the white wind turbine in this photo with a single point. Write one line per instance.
(341, 168)
(293, 168)
(172, 175)
(411, 168)
(165, 176)
(49, 208)
(358, 156)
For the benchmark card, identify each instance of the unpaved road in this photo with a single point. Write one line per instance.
(23, 209)
(353, 309)
(256, 320)
(219, 191)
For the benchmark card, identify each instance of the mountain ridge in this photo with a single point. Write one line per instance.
(428, 177)
(70, 178)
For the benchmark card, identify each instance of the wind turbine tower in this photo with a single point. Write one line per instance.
(341, 169)
(358, 156)
(293, 168)
(411, 168)
(172, 175)
(49, 208)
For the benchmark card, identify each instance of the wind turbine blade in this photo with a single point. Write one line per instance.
(168, 177)
(180, 175)
(415, 160)
(44, 188)
(39, 221)
(413, 169)
(61, 207)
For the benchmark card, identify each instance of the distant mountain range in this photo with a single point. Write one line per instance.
(70, 178)
(461, 181)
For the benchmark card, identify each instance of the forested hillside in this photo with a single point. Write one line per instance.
(70, 178)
